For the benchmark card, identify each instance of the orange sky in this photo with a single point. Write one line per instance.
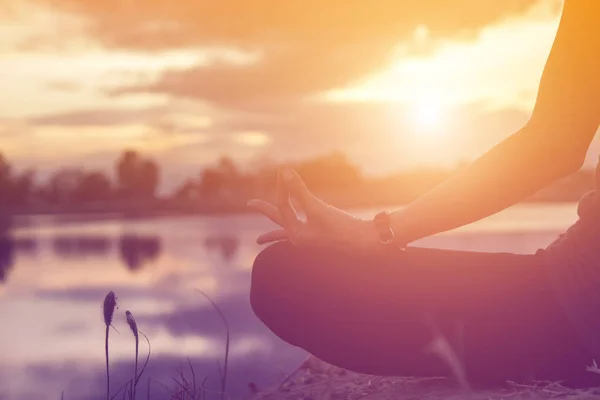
(392, 83)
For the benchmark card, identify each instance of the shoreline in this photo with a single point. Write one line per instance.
(114, 214)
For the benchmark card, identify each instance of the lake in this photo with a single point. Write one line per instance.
(54, 276)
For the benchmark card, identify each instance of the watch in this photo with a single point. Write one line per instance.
(383, 225)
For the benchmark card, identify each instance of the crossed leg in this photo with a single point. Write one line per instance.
(378, 314)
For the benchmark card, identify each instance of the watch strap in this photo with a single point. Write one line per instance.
(383, 226)
(387, 236)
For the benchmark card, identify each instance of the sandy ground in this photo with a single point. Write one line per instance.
(316, 380)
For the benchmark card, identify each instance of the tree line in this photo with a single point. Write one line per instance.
(135, 181)
(223, 186)
(136, 178)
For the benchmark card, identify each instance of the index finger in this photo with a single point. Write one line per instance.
(289, 218)
(267, 209)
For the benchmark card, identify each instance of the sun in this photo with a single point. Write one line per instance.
(428, 116)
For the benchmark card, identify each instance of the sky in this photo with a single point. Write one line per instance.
(393, 84)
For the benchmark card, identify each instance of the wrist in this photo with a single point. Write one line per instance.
(390, 229)
(365, 234)
(402, 229)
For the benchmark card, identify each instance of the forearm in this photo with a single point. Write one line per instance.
(511, 171)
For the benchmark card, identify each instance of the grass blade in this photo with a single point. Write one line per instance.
(224, 375)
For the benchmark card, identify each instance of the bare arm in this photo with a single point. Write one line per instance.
(551, 145)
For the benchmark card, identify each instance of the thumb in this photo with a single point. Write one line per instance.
(298, 189)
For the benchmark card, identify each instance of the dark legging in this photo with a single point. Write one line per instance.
(378, 314)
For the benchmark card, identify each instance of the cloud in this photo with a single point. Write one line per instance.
(380, 137)
(174, 116)
(262, 66)
(276, 79)
(306, 47)
(159, 25)
(63, 86)
(99, 117)
(303, 49)
(383, 138)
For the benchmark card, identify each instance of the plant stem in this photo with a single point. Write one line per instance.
(107, 371)
(224, 374)
(135, 378)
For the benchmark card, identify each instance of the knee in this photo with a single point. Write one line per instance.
(268, 275)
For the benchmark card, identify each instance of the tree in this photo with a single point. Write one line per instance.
(210, 182)
(63, 185)
(93, 186)
(147, 179)
(137, 178)
(187, 192)
(23, 186)
(332, 171)
(127, 167)
(5, 184)
(227, 168)
(4, 168)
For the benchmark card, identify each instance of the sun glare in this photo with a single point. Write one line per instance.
(427, 116)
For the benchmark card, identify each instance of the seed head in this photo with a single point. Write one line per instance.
(110, 302)
(132, 324)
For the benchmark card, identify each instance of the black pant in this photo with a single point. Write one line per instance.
(378, 314)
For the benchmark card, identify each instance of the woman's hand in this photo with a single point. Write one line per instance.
(324, 224)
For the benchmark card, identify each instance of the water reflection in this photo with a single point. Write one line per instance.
(25, 245)
(62, 288)
(136, 251)
(9, 247)
(226, 245)
(80, 246)
(7, 258)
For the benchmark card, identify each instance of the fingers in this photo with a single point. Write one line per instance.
(267, 209)
(271, 212)
(289, 218)
(299, 191)
(284, 214)
(273, 236)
